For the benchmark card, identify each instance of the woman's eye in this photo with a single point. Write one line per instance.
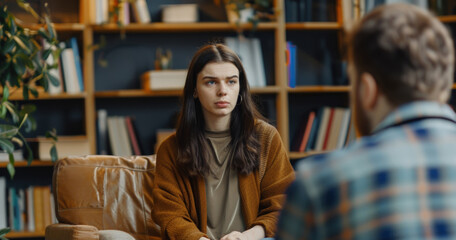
(210, 82)
(232, 82)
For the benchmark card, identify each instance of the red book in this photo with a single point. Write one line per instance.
(328, 129)
(132, 135)
(306, 135)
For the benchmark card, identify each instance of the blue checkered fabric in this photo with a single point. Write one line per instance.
(399, 183)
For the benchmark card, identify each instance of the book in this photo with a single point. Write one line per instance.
(335, 128)
(180, 13)
(345, 125)
(66, 146)
(291, 64)
(18, 155)
(249, 51)
(328, 130)
(311, 143)
(322, 129)
(47, 212)
(38, 207)
(102, 132)
(30, 209)
(118, 136)
(306, 135)
(141, 11)
(3, 207)
(77, 62)
(163, 79)
(125, 141)
(132, 135)
(70, 74)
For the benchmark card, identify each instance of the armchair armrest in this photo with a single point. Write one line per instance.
(72, 232)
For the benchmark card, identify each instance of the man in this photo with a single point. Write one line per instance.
(398, 181)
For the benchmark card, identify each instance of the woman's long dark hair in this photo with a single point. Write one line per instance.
(193, 148)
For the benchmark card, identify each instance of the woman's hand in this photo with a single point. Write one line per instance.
(235, 235)
(255, 233)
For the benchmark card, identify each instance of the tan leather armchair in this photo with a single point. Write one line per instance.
(97, 193)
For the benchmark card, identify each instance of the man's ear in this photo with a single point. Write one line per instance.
(368, 91)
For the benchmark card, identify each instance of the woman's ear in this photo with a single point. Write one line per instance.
(368, 91)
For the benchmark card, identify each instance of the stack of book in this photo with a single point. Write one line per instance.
(26, 209)
(324, 129)
(118, 11)
(117, 133)
(69, 71)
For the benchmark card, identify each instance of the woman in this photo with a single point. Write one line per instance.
(223, 174)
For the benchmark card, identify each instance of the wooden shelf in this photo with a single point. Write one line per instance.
(24, 234)
(17, 95)
(24, 163)
(64, 27)
(137, 93)
(131, 93)
(183, 27)
(313, 26)
(265, 90)
(318, 89)
(448, 19)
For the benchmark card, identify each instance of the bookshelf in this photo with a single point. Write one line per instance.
(156, 109)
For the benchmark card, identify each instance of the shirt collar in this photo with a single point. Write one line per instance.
(417, 109)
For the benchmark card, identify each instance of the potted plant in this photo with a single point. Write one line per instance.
(23, 68)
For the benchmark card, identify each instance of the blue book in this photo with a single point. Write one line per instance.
(314, 130)
(291, 67)
(77, 61)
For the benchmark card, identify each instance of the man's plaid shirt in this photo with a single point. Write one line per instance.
(399, 183)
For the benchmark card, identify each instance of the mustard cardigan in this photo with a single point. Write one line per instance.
(180, 201)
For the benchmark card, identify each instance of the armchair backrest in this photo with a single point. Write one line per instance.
(107, 192)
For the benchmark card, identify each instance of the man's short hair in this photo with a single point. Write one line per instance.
(407, 50)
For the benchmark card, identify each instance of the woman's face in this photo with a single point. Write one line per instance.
(217, 88)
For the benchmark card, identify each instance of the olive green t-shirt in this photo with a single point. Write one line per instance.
(224, 213)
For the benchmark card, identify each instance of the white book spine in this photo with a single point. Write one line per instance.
(69, 71)
(30, 210)
(3, 207)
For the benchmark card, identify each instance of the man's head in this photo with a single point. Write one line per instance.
(397, 54)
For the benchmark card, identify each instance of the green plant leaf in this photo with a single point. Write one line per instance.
(4, 231)
(25, 92)
(8, 131)
(29, 152)
(9, 46)
(52, 134)
(6, 145)
(54, 81)
(4, 67)
(4, 111)
(44, 34)
(10, 168)
(5, 94)
(19, 66)
(46, 53)
(53, 152)
(27, 109)
(22, 44)
(34, 92)
(11, 24)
